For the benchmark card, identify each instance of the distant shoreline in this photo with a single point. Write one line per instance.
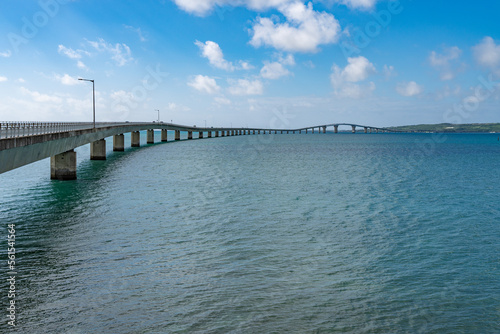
(451, 128)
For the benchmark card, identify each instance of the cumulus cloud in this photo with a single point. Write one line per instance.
(119, 52)
(344, 80)
(246, 87)
(304, 30)
(409, 88)
(487, 54)
(276, 70)
(213, 53)
(2, 79)
(38, 97)
(273, 70)
(67, 80)
(204, 84)
(444, 62)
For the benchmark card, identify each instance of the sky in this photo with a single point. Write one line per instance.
(255, 63)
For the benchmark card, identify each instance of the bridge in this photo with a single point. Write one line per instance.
(22, 143)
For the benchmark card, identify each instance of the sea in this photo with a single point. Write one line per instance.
(284, 233)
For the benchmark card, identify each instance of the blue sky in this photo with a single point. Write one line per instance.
(279, 63)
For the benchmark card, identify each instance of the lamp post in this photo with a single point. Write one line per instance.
(158, 114)
(93, 99)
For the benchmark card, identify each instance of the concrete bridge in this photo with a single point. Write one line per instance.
(22, 143)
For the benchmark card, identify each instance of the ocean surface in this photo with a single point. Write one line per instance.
(316, 233)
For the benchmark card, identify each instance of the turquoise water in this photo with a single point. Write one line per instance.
(323, 233)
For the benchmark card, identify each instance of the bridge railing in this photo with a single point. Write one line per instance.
(22, 129)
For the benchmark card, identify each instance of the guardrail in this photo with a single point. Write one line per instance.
(23, 129)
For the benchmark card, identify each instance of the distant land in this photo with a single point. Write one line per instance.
(448, 127)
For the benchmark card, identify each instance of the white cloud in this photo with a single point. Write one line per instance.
(444, 62)
(120, 52)
(204, 84)
(304, 30)
(273, 71)
(213, 53)
(81, 65)
(66, 79)
(6, 54)
(70, 53)
(388, 71)
(245, 65)
(362, 4)
(20, 80)
(2, 79)
(222, 100)
(138, 31)
(409, 88)
(343, 80)
(177, 107)
(487, 54)
(246, 87)
(38, 97)
(203, 7)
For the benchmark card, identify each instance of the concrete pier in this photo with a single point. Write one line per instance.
(353, 128)
(200, 134)
(135, 139)
(98, 150)
(164, 136)
(258, 132)
(151, 136)
(119, 143)
(190, 134)
(324, 129)
(177, 135)
(312, 130)
(306, 131)
(366, 130)
(63, 166)
(336, 129)
(209, 134)
(216, 134)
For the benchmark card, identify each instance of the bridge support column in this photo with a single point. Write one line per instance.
(336, 129)
(164, 136)
(209, 134)
(151, 136)
(135, 139)
(98, 150)
(63, 166)
(258, 132)
(324, 129)
(232, 132)
(353, 128)
(366, 130)
(190, 134)
(312, 130)
(177, 135)
(216, 133)
(200, 134)
(119, 143)
(306, 131)
(300, 131)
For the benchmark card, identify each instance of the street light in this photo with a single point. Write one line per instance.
(93, 98)
(158, 114)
